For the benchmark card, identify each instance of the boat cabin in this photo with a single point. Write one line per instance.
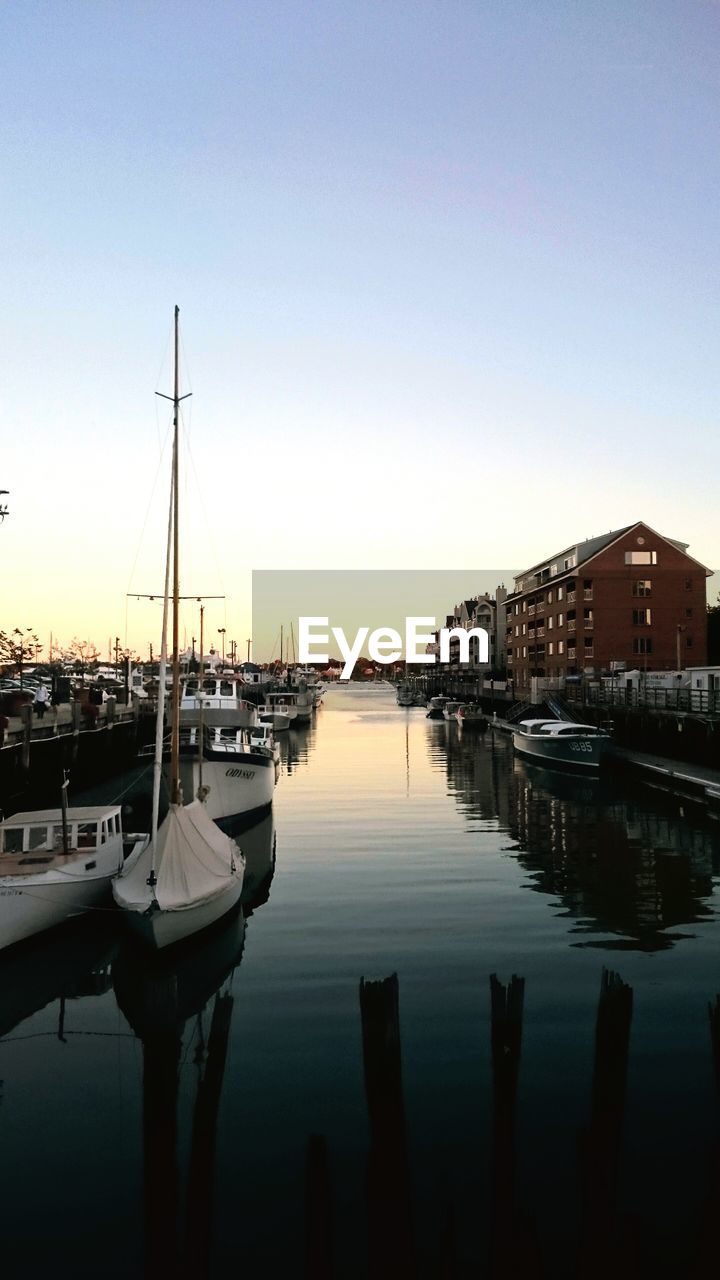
(29, 836)
(561, 729)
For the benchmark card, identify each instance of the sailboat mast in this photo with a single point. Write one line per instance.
(175, 792)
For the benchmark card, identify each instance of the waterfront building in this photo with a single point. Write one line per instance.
(631, 598)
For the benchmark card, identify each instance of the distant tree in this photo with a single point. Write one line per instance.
(83, 654)
(18, 647)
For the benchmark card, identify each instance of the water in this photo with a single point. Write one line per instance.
(158, 1116)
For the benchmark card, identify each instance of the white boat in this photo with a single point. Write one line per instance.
(237, 772)
(561, 742)
(436, 708)
(191, 873)
(295, 703)
(278, 721)
(450, 710)
(405, 694)
(53, 868)
(213, 694)
(470, 716)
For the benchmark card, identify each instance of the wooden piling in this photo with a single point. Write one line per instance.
(390, 1237)
(600, 1144)
(506, 1014)
(318, 1211)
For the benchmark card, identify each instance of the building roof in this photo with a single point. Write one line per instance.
(584, 551)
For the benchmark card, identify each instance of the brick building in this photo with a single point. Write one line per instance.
(632, 597)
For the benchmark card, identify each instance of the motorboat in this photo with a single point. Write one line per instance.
(213, 694)
(450, 710)
(436, 708)
(405, 695)
(58, 863)
(561, 742)
(234, 774)
(470, 716)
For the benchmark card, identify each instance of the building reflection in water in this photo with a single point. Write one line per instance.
(623, 859)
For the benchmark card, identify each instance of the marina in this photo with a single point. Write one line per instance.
(442, 858)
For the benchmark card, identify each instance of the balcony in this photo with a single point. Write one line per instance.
(531, 610)
(588, 624)
(587, 593)
(571, 597)
(571, 655)
(539, 631)
(571, 624)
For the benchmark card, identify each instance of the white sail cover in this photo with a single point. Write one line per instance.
(194, 862)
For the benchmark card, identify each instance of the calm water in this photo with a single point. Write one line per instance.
(156, 1113)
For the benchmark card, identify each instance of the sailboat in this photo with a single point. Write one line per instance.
(191, 873)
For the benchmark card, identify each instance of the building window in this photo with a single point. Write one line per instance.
(550, 648)
(561, 647)
(561, 619)
(688, 584)
(641, 557)
(643, 587)
(642, 617)
(549, 597)
(560, 594)
(688, 642)
(524, 651)
(551, 622)
(642, 644)
(588, 642)
(688, 613)
(524, 628)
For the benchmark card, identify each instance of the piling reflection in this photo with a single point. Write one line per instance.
(180, 1000)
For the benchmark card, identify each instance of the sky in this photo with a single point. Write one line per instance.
(446, 276)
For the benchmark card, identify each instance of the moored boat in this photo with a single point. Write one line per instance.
(191, 873)
(450, 710)
(55, 865)
(436, 708)
(471, 716)
(561, 742)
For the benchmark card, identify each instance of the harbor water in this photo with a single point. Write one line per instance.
(219, 1111)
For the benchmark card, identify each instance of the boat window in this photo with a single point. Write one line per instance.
(12, 840)
(37, 837)
(208, 686)
(191, 687)
(226, 689)
(86, 835)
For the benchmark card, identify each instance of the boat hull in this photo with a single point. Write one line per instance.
(239, 785)
(571, 753)
(161, 929)
(32, 904)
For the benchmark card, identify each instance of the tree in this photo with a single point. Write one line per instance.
(18, 647)
(82, 653)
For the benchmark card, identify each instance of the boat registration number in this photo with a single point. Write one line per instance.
(581, 746)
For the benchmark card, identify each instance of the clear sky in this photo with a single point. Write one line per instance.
(447, 276)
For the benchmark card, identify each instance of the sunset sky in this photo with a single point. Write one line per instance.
(447, 285)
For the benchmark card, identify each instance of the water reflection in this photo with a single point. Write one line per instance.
(64, 964)
(296, 745)
(624, 861)
(180, 1006)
